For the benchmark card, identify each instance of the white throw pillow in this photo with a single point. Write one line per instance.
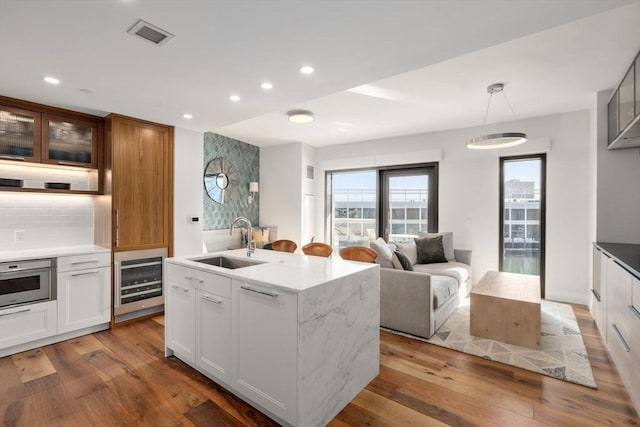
(410, 250)
(384, 252)
(447, 243)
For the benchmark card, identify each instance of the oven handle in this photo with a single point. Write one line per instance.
(25, 272)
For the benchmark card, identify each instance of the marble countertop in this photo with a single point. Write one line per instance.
(7, 256)
(627, 254)
(291, 272)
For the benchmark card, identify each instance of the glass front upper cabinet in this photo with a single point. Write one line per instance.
(19, 134)
(612, 112)
(626, 102)
(70, 142)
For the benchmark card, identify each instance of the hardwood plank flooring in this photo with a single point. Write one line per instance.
(121, 378)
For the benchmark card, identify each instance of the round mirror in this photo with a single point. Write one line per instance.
(217, 180)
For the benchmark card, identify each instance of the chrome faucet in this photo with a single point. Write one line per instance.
(251, 247)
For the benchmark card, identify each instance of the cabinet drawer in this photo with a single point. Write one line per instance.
(79, 262)
(208, 282)
(19, 325)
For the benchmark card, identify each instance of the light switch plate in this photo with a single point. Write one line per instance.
(19, 235)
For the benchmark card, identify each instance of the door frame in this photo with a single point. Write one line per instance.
(543, 211)
(430, 169)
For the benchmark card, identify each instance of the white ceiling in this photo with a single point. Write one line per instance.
(383, 68)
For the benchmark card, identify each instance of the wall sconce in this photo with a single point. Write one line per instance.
(253, 190)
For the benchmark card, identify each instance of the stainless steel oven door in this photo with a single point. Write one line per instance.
(25, 282)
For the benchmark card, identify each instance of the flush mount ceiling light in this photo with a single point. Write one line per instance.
(300, 116)
(51, 80)
(496, 140)
(307, 69)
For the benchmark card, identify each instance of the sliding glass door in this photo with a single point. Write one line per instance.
(409, 203)
(522, 215)
(396, 203)
(352, 219)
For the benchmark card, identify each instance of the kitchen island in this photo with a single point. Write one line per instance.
(296, 336)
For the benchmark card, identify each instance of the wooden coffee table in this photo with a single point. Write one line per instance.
(506, 307)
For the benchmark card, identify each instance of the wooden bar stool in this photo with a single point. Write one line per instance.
(317, 249)
(284, 245)
(358, 253)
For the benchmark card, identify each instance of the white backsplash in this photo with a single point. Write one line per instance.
(48, 220)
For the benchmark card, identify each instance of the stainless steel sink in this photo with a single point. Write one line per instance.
(224, 262)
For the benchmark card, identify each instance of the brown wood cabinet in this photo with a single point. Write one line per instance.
(140, 178)
(32, 133)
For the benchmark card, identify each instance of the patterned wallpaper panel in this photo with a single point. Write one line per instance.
(241, 162)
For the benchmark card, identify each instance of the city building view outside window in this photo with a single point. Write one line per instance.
(401, 199)
(522, 214)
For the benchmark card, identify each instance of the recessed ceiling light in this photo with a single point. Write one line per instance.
(300, 116)
(307, 69)
(85, 90)
(52, 80)
(187, 116)
(234, 98)
(266, 86)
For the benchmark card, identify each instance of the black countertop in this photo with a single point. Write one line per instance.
(627, 254)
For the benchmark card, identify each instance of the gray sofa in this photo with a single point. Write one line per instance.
(418, 302)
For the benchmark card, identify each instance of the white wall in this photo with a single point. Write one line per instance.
(188, 187)
(469, 191)
(281, 189)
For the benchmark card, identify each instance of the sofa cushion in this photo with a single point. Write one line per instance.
(443, 288)
(457, 270)
(447, 243)
(430, 250)
(403, 259)
(409, 249)
(383, 251)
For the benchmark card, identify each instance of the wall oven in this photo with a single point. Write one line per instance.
(138, 282)
(29, 281)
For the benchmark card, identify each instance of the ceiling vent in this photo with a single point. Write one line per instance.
(150, 33)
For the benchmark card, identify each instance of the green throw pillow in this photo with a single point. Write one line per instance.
(430, 250)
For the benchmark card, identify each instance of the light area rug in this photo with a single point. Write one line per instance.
(563, 354)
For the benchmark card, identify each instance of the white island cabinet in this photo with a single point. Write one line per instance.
(295, 336)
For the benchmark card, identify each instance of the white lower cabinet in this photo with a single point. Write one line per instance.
(26, 323)
(623, 320)
(84, 291)
(213, 335)
(181, 333)
(265, 342)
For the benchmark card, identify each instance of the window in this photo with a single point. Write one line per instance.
(397, 203)
(522, 204)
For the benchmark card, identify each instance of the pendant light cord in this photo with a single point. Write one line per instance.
(486, 113)
(509, 104)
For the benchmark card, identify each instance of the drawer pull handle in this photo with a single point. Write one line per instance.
(212, 299)
(16, 312)
(634, 311)
(85, 273)
(626, 269)
(91, 261)
(260, 291)
(182, 288)
(596, 294)
(621, 338)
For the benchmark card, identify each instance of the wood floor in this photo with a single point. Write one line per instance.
(120, 378)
